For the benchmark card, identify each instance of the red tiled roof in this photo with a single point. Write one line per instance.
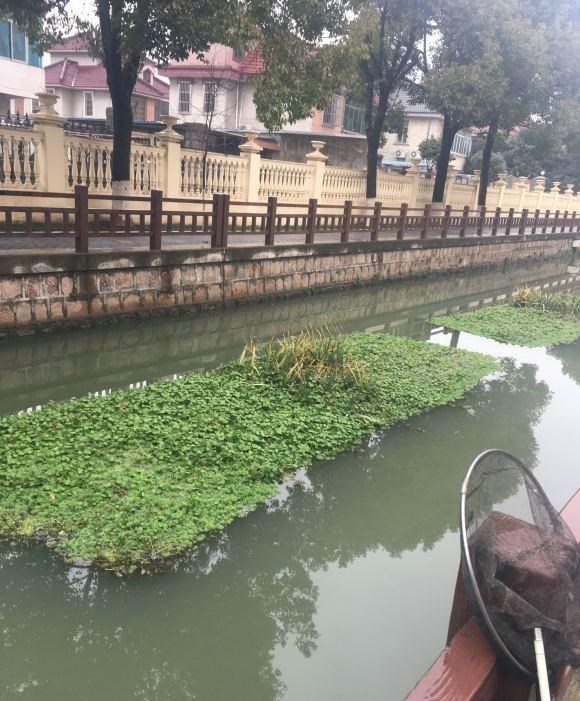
(70, 74)
(252, 62)
(74, 43)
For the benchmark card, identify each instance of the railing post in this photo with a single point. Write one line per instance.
(317, 162)
(170, 142)
(155, 220)
(481, 221)
(346, 221)
(536, 221)
(426, 218)
(225, 221)
(81, 219)
(311, 221)
(402, 221)
(217, 220)
(446, 221)
(510, 222)
(376, 221)
(545, 226)
(271, 221)
(523, 222)
(556, 217)
(50, 157)
(251, 151)
(464, 222)
(496, 221)
(573, 222)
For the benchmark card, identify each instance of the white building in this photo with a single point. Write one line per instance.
(21, 73)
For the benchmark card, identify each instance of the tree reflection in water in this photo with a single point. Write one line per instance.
(208, 627)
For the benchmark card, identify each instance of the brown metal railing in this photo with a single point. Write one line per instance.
(84, 216)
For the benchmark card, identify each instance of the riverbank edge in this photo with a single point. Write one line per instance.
(41, 291)
(412, 377)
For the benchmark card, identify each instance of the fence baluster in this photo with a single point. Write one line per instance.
(464, 222)
(496, 221)
(402, 221)
(481, 221)
(346, 222)
(426, 218)
(446, 221)
(81, 219)
(546, 221)
(510, 222)
(536, 221)
(155, 220)
(523, 222)
(376, 221)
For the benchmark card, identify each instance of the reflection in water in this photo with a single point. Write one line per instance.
(34, 370)
(260, 612)
(569, 354)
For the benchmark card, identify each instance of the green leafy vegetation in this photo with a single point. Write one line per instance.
(140, 475)
(532, 319)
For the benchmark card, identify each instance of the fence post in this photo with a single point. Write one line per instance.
(346, 221)
(402, 221)
(170, 141)
(464, 222)
(556, 217)
(448, 194)
(535, 221)
(426, 218)
(376, 221)
(476, 182)
(545, 225)
(311, 221)
(510, 222)
(155, 220)
(317, 161)
(523, 222)
(81, 219)
(446, 221)
(271, 221)
(481, 221)
(573, 222)
(217, 220)
(51, 170)
(496, 221)
(252, 151)
(415, 175)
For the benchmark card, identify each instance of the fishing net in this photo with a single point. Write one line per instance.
(521, 564)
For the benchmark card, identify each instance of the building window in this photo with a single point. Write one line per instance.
(139, 109)
(35, 106)
(34, 59)
(148, 76)
(184, 97)
(238, 53)
(209, 97)
(403, 135)
(353, 119)
(161, 110)
(18, 44)
(461, 145)
(89, 104)
(329, 114)
(5, 39)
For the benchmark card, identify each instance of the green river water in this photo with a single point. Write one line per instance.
(340, 588)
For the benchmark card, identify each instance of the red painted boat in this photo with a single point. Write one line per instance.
(468, 668)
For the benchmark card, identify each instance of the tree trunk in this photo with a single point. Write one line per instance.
(372, 155)
(122, 132)
(486, 162)
(449, 130)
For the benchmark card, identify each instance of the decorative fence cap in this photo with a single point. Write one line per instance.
(316, 155)
(250, 145)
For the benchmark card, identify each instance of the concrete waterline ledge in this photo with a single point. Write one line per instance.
(44, 288)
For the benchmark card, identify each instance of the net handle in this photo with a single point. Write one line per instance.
(465, 551)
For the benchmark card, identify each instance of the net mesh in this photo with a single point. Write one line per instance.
(525, 561)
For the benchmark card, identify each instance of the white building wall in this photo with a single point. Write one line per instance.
(18, 79)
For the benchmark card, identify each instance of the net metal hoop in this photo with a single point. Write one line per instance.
(491, 630)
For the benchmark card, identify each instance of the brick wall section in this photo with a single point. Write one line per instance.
(40, 288)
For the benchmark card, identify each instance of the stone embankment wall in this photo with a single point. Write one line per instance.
(43, 288)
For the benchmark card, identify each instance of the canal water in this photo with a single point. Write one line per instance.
(341, 586)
